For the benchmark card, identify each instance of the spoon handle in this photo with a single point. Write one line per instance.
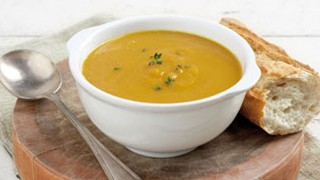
(112, 166)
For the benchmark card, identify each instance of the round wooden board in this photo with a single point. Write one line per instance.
(46, 146)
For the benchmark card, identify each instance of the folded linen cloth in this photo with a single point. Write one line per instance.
(54, 47)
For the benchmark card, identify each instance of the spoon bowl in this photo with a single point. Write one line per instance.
(30, 75)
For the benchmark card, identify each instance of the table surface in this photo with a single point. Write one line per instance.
(294, 25)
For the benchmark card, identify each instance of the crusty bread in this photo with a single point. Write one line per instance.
(287, 96)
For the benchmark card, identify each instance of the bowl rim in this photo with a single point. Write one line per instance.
(247, 75)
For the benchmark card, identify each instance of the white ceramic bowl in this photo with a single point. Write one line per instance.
(161, 130)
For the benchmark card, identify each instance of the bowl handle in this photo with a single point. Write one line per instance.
(249, 79)
(76, 42)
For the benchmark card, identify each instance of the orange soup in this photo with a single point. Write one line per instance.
(161, 67)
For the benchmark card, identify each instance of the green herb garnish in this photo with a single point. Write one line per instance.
(187, 65)
(144, 49)
(169, 81)
(116, 68)
(179, 66)
(155, 59)
(157, 88)
(157, 56)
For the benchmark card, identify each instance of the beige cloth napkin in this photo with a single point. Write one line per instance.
(54, 47)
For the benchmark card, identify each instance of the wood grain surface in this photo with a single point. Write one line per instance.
(46, 146)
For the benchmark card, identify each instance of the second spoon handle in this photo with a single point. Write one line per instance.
(112, 166)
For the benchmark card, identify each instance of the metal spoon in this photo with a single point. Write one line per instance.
(30, 75)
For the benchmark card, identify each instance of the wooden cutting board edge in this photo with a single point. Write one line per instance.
(288, 167)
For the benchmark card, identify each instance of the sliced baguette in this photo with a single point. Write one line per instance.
(287, 96)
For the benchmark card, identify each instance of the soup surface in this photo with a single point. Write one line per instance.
(161, 67)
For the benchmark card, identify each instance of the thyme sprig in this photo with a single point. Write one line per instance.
(178, 68)
(169, 80)
(157, 88)
(155, 59)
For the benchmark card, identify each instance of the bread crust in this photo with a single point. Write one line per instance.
(259, 45)
(274, 63)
